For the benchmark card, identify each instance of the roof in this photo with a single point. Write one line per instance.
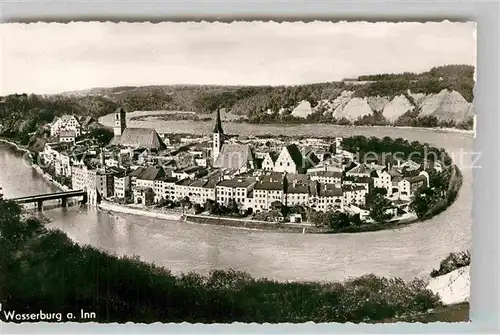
(67, 117)
(218, 123)
(142, 188)
(326, 190)
(330, 174)
(411, 164)
(184, 182)
(295, 154)
(299, 188)
(360, 169)
(394, 173)
(234, 156)
(237, 182)
(144, 138)
(416, 179)
(297, 177)
(149, 173)
(67, 133)
(273, 155)
(353, 187)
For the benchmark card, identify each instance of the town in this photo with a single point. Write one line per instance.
(220, 174)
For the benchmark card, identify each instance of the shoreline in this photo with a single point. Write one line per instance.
(34, 166)
(470, 132)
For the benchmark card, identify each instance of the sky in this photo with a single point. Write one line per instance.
(46, 58)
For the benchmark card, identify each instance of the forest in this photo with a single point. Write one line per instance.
(23, 114)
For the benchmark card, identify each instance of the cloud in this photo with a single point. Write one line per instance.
(52, 57)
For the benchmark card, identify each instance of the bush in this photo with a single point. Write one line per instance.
(451, 263)
(43, 269)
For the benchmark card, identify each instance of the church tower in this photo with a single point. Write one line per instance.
(218, 137)
(120, 121)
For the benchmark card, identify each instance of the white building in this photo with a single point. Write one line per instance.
(326, 197)
(290, 160)
(355, 195)
(269, 160)
(63, 165)
(67, 136)
(327, 177)
(65, 122)
(236, 188)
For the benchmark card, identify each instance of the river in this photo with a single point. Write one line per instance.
(408, 252)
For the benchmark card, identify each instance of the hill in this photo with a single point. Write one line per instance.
(439, 97)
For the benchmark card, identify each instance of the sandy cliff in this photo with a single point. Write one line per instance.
(453, 287)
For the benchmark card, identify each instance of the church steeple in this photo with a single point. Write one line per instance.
(218, 123)
(218, 138)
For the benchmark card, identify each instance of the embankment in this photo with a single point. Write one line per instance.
(37, 168)
(252, 224)
(108, 206)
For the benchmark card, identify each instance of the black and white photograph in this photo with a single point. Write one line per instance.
(244, 171)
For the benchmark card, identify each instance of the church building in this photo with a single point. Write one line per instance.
(136, 138)
(236, 157)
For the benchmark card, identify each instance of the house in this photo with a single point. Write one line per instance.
(269, 159)
(296, 218)
(105, 182)
(182, 189)
(268, 190)
(63, 165)
(198, 191)
(164, 188)
(354, 194)
(143, 195)
(359, 181)
(334, 164)
(67, 136)
(122, 187)
(382, 179)
(236, 188)
(290, 160)
(98, 180)
(409, 185)
(362, 170)
(326, 197)
(65, 122)
(146, 176)
(327, 177)
(51, 153)
(297, 194)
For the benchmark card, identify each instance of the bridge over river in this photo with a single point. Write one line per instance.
(40, 198)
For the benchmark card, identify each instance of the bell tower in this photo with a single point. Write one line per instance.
(218, 137)
(120, 121)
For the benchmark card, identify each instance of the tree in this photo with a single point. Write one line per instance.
(102, 135)
(378, 208)
(423, 201)
(185, 202)
(338, 220)
(197, 208)
(233, 207)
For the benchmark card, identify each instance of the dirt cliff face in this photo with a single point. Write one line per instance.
(444, 106)
(453, 287)
(397, 107)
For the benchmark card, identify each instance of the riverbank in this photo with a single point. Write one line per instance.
(107, 206)
(140, 211)
(282, 227)
(36, 167)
